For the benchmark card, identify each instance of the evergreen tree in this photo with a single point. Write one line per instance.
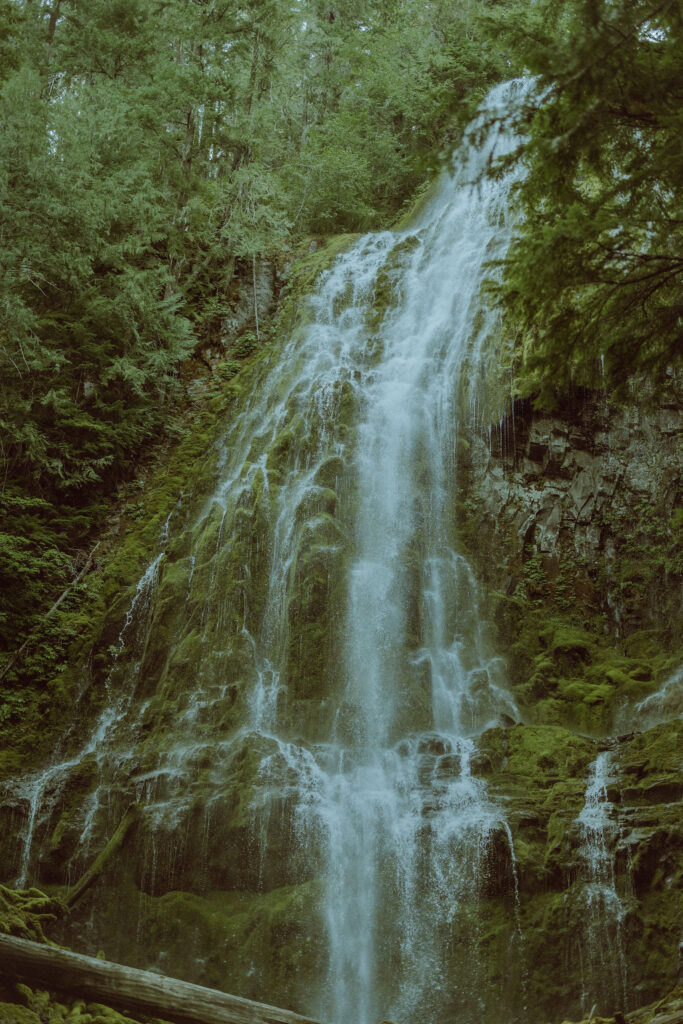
(152, 151)
(595, 272)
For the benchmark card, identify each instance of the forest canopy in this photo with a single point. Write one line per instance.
(153, 150)
(595, 276)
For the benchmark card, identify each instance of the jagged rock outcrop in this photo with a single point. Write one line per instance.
(592, 491)
(574, 521)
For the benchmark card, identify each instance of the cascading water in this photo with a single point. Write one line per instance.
(43, 789)
(340, 653)
(404, 823)
(664, 705)
(604, 959)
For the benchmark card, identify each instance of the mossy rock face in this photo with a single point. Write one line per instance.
(14, 814)
(66, 834)
(426, 195)
(387, 290)
(569, 515)
(314, 609)
(650, 846)
(256, 945)
(659, 750)
(248, 528)
(539, 773)
(542, 774)
(565, 674)
(537, 755)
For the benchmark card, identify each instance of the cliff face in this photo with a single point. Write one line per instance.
(573, 519)
(596, 488)
(165, 717)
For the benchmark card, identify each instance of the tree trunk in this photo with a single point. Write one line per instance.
(139, 992)
(112, 847)
(54, 18)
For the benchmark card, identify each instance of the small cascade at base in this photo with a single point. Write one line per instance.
(604, 961)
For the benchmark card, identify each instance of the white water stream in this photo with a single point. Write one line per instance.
(404, 823)
(43, 790)
(664, 705)
(605, 969)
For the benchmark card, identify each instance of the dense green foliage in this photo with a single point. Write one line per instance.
(596, 270)
(152, 152)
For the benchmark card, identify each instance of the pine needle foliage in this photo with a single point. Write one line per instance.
(594, 277)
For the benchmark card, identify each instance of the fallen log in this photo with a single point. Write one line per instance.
(135, 991)
(112, 847)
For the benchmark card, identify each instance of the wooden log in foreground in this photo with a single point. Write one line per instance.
(141, 992)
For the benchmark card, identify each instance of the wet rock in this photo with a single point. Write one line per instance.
(255, 299)
(434, 744)
(498, 869)
(480, 764)
(577, 485)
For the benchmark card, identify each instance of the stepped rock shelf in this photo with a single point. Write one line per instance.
(138, 991)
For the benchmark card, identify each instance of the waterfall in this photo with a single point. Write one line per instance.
(315, 638)
(664, 705)
(604, 959)
(405, 825)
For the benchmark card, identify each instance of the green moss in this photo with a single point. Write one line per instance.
(304, 273)
(66, 834)
(315, 606)
(419, 203)
(546, 752)
(387, 290)
(657, 948)
(240, 936)
(13, 1013)
(655, 751)
(570, 645)
(266, 946)
(27, 1005)
(571, 673)
(26, 913)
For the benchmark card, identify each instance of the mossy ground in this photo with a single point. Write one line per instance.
(21, 1004)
